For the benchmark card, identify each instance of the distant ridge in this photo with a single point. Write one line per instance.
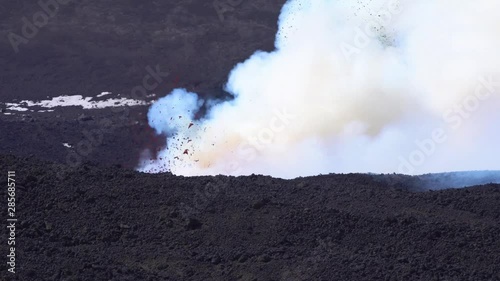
(439, 181)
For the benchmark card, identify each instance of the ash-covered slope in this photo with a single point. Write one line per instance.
(91, 46)
(116, 224)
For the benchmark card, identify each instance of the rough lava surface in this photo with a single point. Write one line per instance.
(116, 224)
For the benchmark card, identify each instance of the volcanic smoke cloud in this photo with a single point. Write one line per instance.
(352, 86)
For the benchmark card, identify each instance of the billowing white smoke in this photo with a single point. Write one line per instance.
(353, 86)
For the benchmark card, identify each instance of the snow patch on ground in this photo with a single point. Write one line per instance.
(15, 107)
(103, 94)
(73, 100)
(84, 102)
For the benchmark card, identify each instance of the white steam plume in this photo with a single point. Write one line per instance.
(352, 86)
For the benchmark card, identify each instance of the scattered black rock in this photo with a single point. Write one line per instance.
(193, 224)
(84, 118)
(260, 203)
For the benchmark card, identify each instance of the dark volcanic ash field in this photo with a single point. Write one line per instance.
(101, 220)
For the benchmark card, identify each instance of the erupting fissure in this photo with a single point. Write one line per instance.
(350, 87)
